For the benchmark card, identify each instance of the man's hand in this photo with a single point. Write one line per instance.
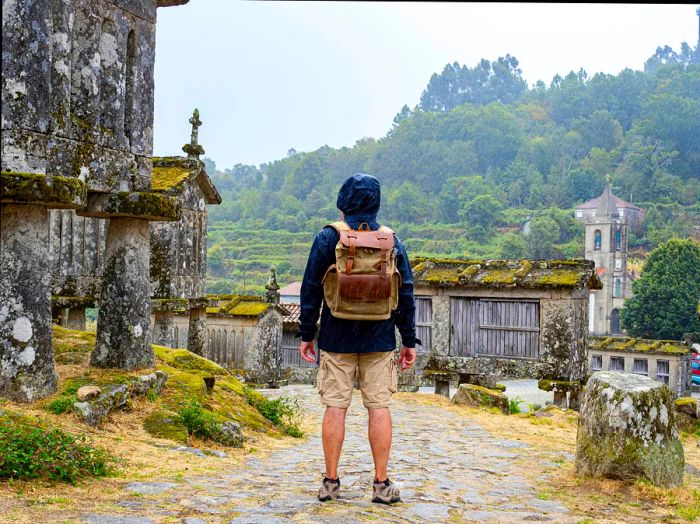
(407, 357)
(306, 350)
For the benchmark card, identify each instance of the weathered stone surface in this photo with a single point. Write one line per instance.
(150, 488)
(26, 349)
(124, 323)
(163, 328)
(93, 412)
(151, 382)
(478, 396)
(87, 393)
(37, 188)
(627, 430)
(688, 405)
(228, 434)
(197, 333)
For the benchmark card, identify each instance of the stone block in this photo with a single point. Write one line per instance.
(478, 396)
(88, 393)
(627, 430)
(228, 434)
(94, 411)
(151, 382)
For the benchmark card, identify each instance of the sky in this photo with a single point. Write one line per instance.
(271, 76)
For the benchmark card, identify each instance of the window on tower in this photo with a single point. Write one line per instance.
(618, 288)
(598, 239)
(618, 240)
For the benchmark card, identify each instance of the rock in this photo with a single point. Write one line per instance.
(627, 430)
(479, 396)
(94, 411)
(194, 451)
(215, 453)
(688, 405)
(228, 434)
(151, 382)
(87, 393)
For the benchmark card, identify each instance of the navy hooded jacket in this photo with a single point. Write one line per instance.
(358, 199)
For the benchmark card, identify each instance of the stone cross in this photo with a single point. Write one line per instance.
(194, 149)
(273, 296)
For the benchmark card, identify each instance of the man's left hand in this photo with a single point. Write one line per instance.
(407, 357)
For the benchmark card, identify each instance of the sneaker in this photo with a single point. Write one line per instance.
(329, 489)
(385, 492)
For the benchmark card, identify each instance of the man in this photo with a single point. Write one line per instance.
(365, 345)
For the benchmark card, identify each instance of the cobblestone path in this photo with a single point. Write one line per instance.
(448, 469)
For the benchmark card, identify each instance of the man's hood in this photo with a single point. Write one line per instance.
(359, 196)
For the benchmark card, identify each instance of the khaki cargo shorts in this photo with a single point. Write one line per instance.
(336, 378)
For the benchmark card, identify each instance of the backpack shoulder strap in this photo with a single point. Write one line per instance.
(339, 226)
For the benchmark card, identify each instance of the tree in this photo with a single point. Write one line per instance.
(481, 215)
(665, 301)
(544, 233)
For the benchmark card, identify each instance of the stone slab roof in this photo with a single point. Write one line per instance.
(504, 274)
(240, 306)
(170, 172)
(638, 345)
(293, 313)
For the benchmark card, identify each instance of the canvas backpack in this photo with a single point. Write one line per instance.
(364, 282)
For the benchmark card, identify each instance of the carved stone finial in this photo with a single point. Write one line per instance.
(193, 149)
(273, 296)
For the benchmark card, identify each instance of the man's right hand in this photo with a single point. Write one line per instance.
(307, 352)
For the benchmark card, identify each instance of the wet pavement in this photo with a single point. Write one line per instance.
(448, 470)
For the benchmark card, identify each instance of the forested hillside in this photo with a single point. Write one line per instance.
(480, 155)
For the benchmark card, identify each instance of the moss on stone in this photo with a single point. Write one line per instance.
(148, 205)
(557, 278)
(638, 345)
(479, 396)
(164, 178)
(503, 277)
(248, 309)
(186, 360)
(72, 341)
(37, 188)
(165, 424)
(558, 385)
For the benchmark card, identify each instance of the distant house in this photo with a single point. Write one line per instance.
(291, 294)
(665, 361)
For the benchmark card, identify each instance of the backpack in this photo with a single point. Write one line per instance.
(364, 282)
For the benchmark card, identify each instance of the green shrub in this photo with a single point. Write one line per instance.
(61, 404)
(283, 412)
(514, 405)
(28, 451)
(196, 419)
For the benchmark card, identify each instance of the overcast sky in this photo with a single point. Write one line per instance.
(270, 76)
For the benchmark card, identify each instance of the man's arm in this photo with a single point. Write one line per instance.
(321, 257)
(405, 318)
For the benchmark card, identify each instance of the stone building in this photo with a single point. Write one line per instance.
(243, 334)
(665, 361)
(606, 244)
(178, 254)
(489, 320)
(77, 132)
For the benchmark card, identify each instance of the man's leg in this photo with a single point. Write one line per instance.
(379, 433)
(333, 435)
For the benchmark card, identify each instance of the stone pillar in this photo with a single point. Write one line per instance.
(442, 384)
(163, 329)
(197, 334)
(76, 318)
(26, 352)
(560, 399)
(124, 323)
(575, 399)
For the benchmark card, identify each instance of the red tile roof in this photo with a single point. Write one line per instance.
(294, 312)
(293, 289)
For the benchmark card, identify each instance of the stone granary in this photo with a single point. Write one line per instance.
(77, 133)
(178, 251)
(666, 361)
(243, 334)
(481, 321)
